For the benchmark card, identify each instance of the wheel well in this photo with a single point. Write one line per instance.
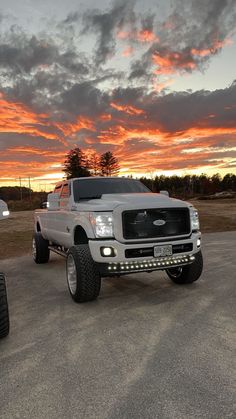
(80, 236)
(38, 228)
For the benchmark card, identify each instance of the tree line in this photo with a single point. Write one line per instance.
(191, 185)
(179, 186)
(77, 164)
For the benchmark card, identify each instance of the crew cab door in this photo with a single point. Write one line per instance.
(62, 219)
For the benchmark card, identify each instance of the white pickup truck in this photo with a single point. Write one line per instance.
(4, 314)
(108, 226)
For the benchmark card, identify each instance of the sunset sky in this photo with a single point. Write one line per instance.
(152, 81)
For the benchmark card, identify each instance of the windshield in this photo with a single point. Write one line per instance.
(96, 187)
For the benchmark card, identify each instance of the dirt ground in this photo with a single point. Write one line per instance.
(16, 231)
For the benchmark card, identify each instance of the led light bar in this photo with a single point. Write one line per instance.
(151, 264)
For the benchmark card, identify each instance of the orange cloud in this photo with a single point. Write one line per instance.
(131, 110)
(142, 36)
(18, 118)
(159, 86)
(143, 140)
(106, 117)
(213, 49)
(69, 128)
(171, 62)
(128, 51)
(147, 36)
(36, 151)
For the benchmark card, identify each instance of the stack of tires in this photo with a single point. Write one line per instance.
(4, 315)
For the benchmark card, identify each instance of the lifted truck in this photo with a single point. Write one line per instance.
(108, 226)
(4, 314)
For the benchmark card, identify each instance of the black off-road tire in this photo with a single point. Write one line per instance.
(189, 273)
(4, 314)
(84, 285)
(40, 250)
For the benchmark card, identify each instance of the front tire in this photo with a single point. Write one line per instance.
(187, 274)
(84, 281)
(4, 314)
(40, 250)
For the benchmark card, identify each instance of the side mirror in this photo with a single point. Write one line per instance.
(166, 193)
(4, 213)
(53, 201)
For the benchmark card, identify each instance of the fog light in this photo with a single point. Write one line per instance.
(198, 242)
(107, 251)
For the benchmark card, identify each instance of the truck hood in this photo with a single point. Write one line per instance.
(108, 202)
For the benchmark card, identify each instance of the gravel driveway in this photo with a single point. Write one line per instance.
(145, 349)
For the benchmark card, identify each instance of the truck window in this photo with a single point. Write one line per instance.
(65, 193)
(58, 189)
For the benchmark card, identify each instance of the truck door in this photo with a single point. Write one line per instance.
(62, 222)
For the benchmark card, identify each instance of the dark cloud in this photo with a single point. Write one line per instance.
(22, 54)
(179, 111)
(129, 95)
(140, 69)
(191, 35)
(84, 99)
(71, 18)
(104, 24)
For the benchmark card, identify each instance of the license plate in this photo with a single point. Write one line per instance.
(160, 251)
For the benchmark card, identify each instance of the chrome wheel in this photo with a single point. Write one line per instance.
(34, 250)
(71, 274)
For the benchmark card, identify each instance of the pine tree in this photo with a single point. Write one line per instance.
(109, 164)
(94, 164)
(75, 164)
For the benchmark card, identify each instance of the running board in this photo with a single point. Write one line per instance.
(58, 251)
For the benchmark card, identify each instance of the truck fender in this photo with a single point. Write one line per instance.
(37, 225)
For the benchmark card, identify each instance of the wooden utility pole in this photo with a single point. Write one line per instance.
(29, 189)
(21, 195)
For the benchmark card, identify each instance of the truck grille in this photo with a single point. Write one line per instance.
(150, 223)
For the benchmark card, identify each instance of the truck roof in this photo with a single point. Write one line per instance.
(93, 177)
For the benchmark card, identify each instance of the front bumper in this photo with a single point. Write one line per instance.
(124, 268)
(121, 264)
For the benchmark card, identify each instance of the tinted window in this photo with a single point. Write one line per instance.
(95, 187)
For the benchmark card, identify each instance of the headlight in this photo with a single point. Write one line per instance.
(195, 225)
(102, 224)
(5, 213)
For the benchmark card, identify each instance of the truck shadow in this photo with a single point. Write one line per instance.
(154, 288)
